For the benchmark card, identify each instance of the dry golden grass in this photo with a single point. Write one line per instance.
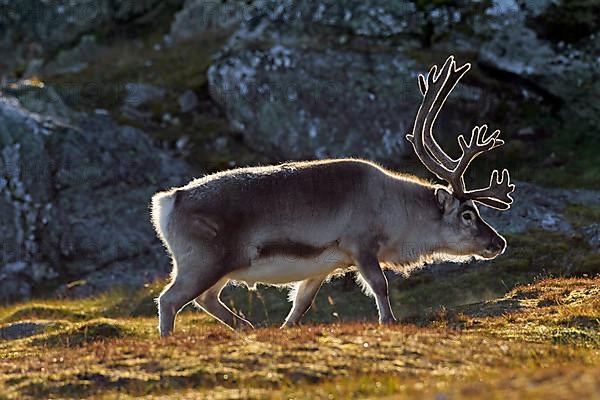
(539, 341)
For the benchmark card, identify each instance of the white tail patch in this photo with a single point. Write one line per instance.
(162, 207)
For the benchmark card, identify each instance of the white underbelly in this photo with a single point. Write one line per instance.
(281, 269)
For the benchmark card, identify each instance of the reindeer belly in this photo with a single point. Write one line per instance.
(285, 268)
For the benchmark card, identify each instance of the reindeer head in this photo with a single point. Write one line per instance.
(462, 229)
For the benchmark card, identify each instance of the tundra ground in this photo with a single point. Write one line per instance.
(540, 340)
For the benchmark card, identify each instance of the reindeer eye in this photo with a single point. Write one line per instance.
(468, 216)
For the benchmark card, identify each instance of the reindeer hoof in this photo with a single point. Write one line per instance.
(388, 321)
(289, 325)
(244, 326)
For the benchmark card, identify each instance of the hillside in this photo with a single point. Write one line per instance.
(538, 341)
(103, 103)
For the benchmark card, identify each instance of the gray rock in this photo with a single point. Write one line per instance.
(535, 207)
(75, 194)
(315, 79)
(205, 17)
(318, 92)
(299, 104)
(138, 94)
(188, 101)
(74, 60)
(34, 29)
(591, 234)
(15, 267)
(41, 100)
(568, 74)
(14, 287)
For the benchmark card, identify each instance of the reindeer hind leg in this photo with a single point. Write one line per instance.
(210, 302)
(189, 282)
(306, 291)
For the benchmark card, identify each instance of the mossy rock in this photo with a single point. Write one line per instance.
(23, 329)
(569, 20)
(45, 312)
(581, 215)
(90, 331)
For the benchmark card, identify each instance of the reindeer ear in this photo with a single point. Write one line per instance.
(445, 199)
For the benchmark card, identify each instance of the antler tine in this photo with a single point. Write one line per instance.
(452, 78)
(497, 194)
(435, 88)
(422, 84)
(477, 145)
(431, 88)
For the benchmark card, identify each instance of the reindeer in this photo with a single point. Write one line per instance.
(301, 222)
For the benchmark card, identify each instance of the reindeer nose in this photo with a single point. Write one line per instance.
(497, 244)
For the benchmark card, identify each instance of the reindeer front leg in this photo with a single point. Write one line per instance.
(371, 272)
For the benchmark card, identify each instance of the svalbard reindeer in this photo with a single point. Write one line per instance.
(299, 222)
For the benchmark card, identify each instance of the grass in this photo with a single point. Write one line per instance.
(580, 215)
(526, 325)
(540, 339)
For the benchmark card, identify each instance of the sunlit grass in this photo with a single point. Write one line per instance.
(524, 344)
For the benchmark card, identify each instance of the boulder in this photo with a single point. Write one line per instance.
(316, 79)
(564, 73)
(19, 330)
(32, 30)
(199, 18)
(293, 104)
(537, 208)
(188, 101)
(301, 97)
(75, 190)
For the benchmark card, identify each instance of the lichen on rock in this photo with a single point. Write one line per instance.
(74, 197)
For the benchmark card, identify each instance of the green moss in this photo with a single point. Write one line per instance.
(589, 265)
(544, 251)
(102, 83)
(580, 215)
(567, 159)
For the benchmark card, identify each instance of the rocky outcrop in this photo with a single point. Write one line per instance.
(18, 330)
(297, 104)
(75, 190)
(34, 30)
(564, 73)
(293, 78)
(206, 17)
(548, 210)
(296, 75)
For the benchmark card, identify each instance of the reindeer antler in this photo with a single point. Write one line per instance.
(435, 90)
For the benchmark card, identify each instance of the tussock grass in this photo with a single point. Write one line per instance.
(539, 340)
(87, 332)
